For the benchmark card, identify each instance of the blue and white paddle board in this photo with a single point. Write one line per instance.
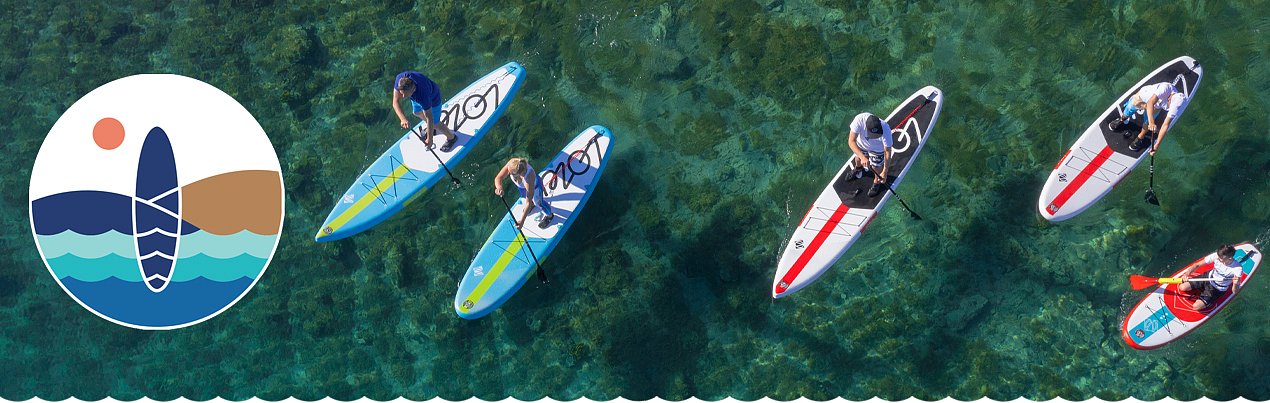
(504, 263)
(408, 167)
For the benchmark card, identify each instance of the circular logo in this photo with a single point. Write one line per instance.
(156, 201)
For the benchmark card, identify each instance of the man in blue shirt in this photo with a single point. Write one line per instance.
(425, 97)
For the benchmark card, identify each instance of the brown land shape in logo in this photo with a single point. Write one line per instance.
(228, 203)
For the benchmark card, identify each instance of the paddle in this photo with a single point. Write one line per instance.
(542, 275)
(419, 134)
(1139, 282)
(911, 213)
(886, 183)
(1150, 195)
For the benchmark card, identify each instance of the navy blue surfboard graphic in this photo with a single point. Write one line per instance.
(156, 206)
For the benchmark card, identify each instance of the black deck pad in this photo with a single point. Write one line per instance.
(1118, 141)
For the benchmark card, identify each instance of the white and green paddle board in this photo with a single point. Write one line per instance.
(506, 262)
(408, 167)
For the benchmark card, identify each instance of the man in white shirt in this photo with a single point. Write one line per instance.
(1226, 271)
(1149, 101)
(871, 141)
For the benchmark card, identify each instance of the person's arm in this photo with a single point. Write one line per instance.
(886, 166)
(1164, 128)
(498, 181)
(1150, 111)
(396, 107)
(862, 160)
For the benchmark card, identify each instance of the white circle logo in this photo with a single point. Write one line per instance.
(156, 201)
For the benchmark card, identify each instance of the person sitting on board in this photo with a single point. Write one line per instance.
(526, 181)
(425, 97)
(871, 140)
(1226, 273)
(1149, 101)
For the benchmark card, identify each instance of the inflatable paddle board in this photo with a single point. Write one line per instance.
(1101, 158)
(504, 264)
(408, 167)
(842, 212)
(156, 206)
(1167, 314)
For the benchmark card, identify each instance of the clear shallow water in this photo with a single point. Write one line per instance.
(728, 121)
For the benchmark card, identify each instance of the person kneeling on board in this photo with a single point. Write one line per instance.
(527, 182)
(1149, 101)
(871, 140)
(425, 97)
(1226, 271)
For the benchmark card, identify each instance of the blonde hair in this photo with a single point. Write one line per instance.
(520, 165)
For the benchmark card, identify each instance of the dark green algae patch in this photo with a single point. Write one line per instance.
(728, 118)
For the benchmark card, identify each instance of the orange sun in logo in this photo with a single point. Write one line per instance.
(108, 133)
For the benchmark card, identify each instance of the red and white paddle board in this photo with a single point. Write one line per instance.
(1167, 314)
(842, 212)
(1101, 158)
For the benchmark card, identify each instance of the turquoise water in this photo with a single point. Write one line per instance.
(728, 116)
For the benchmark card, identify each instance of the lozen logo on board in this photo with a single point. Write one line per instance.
(155, 214)
(578, 163)
(473, 107)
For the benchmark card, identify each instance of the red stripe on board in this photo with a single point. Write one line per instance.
(811, 249)
(1079, 180)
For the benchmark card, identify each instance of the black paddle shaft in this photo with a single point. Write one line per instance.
(1150, 195)
(902, 203)
(542, 276)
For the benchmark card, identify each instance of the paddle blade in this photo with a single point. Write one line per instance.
(1150, 197)
(542, 276)
(1141, 282)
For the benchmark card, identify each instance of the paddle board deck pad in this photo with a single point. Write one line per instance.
(844, 209)
(1101, 158)
(1167, 313)
(394, 179)
(504, 264)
